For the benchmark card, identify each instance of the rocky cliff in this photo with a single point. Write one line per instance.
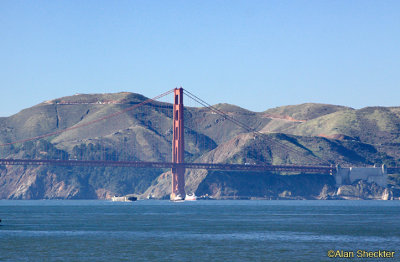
(299, 134)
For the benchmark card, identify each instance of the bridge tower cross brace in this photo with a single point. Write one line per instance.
(178, 146)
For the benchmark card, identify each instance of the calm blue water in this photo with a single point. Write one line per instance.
(51, 230)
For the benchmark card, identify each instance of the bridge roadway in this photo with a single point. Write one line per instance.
(137, 164)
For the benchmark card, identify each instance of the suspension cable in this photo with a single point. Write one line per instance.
(310, 157)
(90, 122)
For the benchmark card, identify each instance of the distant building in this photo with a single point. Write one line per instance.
(348, 175)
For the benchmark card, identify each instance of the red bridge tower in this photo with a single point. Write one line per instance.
(178, 146)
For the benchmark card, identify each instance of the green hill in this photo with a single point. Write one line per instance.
(305, 111)
(300, 134)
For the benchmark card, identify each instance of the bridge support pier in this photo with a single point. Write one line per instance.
(178, 147)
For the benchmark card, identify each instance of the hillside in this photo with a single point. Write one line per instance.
(306, 111)
(299, 134)
(250, 148)
(373, 125)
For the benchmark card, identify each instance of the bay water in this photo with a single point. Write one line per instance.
(210, 230)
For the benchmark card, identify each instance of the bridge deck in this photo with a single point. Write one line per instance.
(137, 164)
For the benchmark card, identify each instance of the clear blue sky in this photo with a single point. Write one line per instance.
(255, 54)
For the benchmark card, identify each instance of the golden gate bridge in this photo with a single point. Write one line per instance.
(177, 165)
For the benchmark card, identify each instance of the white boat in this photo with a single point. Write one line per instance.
(177, 198)
(191, 197)
(118, 199)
